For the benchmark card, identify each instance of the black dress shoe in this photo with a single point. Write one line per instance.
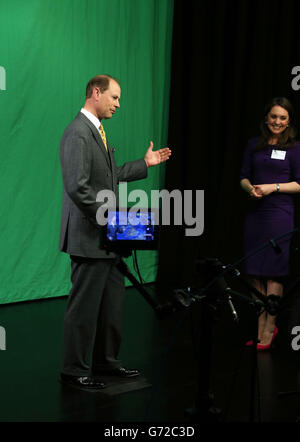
(82, 381)
(121, 372)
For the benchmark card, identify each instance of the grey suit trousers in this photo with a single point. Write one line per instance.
(93, 317)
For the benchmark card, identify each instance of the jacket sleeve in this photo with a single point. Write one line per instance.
(133, 170)
(76, 161)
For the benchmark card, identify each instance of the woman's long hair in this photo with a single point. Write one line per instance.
(288, 137)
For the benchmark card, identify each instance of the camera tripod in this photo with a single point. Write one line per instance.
(204, 409)
(215, 293)
(209, 295)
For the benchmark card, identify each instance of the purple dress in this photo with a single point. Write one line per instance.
(272, 215)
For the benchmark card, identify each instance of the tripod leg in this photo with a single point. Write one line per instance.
(204, 410)
(254, 370)
(126, 272)
(253, 376)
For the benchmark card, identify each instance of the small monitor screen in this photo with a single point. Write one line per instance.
(136, 229)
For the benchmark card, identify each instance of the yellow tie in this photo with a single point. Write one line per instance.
(102, 133)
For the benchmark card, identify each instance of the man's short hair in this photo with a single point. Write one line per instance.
(100, 81)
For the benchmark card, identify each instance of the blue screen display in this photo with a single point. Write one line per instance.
(130, 226)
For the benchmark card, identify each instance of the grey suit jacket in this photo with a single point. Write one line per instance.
(88, 168)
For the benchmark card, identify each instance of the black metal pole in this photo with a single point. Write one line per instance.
(122, 266)
(204, 410)
(254, 372)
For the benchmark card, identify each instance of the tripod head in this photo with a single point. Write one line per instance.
(212, 274)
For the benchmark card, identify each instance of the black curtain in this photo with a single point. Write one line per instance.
(230, 57)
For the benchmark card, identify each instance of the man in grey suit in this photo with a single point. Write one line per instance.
(93, 317)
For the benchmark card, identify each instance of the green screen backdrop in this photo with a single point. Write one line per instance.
(49, 49)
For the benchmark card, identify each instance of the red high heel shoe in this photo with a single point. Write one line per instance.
(261, 347)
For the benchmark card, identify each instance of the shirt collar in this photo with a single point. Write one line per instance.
(96, 122)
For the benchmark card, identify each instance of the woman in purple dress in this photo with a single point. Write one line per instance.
(270, 175)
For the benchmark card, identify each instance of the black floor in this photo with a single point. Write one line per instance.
(166, 351)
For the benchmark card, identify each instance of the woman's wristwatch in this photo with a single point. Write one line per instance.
(277, 187)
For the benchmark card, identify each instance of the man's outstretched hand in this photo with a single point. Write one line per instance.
(159, 156)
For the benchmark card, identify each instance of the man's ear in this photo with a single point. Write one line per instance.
(96, 93)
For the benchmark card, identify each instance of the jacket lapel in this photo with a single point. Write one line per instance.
(97, 137)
